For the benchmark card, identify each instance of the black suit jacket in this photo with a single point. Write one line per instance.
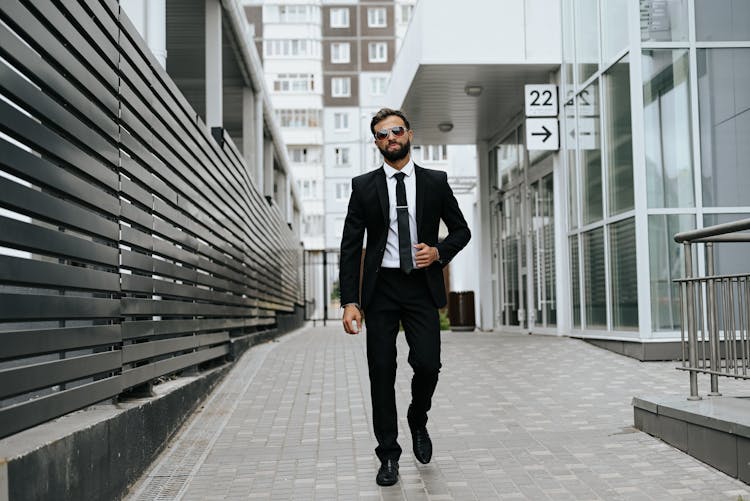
(368, 210)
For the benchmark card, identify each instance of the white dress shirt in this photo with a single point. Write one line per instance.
(391, 257)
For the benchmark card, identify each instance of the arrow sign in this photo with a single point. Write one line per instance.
(546, 133)
(542, 134)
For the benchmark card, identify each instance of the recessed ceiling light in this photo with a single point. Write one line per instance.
(445, 126)
(473, 90)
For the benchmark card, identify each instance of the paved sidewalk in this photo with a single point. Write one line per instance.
(514, 417)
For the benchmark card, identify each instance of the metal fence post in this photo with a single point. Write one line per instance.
(713, 324)
(325, 287)
(692, 335)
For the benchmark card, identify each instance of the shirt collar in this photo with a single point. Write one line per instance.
(407, 169)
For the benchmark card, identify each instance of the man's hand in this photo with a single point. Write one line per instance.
(352, 319)
(425, 255)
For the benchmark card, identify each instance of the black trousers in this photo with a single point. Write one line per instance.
(405, 298)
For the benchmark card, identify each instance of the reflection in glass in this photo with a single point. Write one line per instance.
(508, 160)
(586, 38)
(587, 107)
(594, 289)
(510, 238)
(568, 43)
(575, 284)
(724, 101)
(666, 263)
(618, 135)
(543, 249)
(624, 286)
(572, 177)
(729, 258)
(722, 20)
(666, 112)
(615, 21)
(569, 125)
(664, 20)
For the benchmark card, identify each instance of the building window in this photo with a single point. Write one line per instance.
(292, 48)
(431, 153)
(723, 103)
(313, 225)
(291, 14)
(594, 274)
(342, 156)
(341, 121)
(341, 87)
(378, 52)
(294, 82)
(308, 188)
(376, 17)
(378, 85)
(666, 262)
(342, 192)
(624, 284)
(665, 20)
(298, 118)
(618, 137)
(339, 18)
(589, 157)
(340, 53)
(405, 12)
(304, 154)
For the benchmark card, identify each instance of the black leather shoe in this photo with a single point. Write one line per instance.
(388, 473)
(422, 445)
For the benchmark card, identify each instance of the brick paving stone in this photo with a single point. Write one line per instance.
(514, 417)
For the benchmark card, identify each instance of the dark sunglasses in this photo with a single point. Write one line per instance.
(398, 131)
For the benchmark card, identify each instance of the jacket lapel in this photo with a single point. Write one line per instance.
(382, 190)
(420, 181)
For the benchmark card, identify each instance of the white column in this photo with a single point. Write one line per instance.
(260, 152)
(156, 29)
(213, 64)
(249, 142)
(484, 247)
(268, 177)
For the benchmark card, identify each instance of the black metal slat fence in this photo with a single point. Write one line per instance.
(132, 244)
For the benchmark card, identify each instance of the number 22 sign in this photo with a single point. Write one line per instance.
(541, 100)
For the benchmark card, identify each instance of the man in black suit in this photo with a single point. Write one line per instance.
(400, 206)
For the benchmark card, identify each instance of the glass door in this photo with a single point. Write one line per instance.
(542, 228)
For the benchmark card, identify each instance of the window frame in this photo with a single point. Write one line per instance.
(345, 90)
(375, 54)
(377, 17)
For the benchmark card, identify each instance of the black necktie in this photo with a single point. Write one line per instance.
(402, 215)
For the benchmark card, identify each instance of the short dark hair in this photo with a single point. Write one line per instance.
(387, 112)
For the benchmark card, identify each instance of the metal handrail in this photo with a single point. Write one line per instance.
(704, 234)
(728, 308)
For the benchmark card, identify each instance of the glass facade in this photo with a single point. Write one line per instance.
(594, 279)
(724, 111)
(667, 131)
(722, 20)
(666, 263)
(590, 153)
(618, 133)
(624, 286)
(691, 160)
(655, 137)
(664, 20)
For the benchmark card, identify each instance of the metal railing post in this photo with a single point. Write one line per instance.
(325, 287)
(692, 335)
(713, 327)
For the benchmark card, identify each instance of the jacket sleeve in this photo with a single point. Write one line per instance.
(351, 249)
(458, 231)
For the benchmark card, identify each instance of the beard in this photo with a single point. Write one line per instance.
(395, 155)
